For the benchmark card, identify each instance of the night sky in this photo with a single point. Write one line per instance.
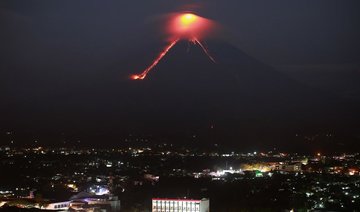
(285, 69)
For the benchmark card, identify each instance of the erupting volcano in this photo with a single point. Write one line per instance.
(184, 26)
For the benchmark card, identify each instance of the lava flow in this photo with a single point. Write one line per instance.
(156, 61)
(204, 49)
(183, 26)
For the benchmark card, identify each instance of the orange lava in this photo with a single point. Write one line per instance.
(188, 19)
(204, 49)
(143, 74)
(187, 26)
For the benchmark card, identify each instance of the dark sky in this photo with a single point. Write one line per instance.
(62, 60)
(277, 32)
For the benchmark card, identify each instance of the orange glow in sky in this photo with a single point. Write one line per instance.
(188, 19)
(188, 25)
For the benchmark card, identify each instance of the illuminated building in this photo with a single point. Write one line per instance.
(95, 198)
(180, 205)
(294, 167)
(57, 206)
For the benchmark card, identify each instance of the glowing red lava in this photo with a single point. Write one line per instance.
(156, 61)
(205, 50)
(186, 26)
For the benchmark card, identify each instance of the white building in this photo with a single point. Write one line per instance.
(180, 205)
(93, 200)
(58, 206)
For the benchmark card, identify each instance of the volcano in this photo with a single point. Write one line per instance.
(239, 94)
(237, 100)
(186, 82)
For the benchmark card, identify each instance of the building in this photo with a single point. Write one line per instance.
(58, 206)
(86, 199)
(292, 167)
(180, 205)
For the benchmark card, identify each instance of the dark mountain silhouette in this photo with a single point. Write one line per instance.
(238, 100)
(244, 98)
(187, 83)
